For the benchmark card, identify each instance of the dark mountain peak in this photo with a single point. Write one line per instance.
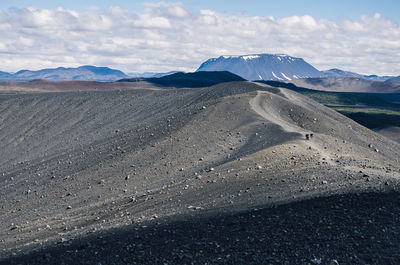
(21, 71)
(196, 79)
(101, 70)
(336, 70)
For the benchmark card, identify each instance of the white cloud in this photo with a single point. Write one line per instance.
(146, 21)
(166, 36)
(177, 11)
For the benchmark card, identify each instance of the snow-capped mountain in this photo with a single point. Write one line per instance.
(262, 67)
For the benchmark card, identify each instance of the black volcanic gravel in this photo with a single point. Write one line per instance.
(352, 229)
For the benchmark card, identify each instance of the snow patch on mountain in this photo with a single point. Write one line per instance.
(287, 78)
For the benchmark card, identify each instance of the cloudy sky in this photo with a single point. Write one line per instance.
(137, 36)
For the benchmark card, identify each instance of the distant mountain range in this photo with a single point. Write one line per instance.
(82, 73)
(395, 80)
(87, 72)
(279, 67)
(345, 74)
(339, 73)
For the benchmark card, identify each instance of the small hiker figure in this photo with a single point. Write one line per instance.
(307, 136)
(311, 135)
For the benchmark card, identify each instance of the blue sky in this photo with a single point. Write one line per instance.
(330, 9)
(154, 36)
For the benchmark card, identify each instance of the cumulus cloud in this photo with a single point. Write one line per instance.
(166, 36)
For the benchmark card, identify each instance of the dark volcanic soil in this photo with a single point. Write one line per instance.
(352, 229)
(174, 176)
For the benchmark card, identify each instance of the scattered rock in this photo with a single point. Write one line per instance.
(316, 261)
(194, 207)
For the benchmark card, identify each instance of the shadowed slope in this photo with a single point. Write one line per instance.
(353, 229)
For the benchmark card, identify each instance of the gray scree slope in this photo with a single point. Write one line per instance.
(89, 177)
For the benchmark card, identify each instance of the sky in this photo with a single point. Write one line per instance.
(142, 36)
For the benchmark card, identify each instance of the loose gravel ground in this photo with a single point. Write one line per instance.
(174, 176)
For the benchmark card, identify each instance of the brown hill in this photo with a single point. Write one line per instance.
(40, 85)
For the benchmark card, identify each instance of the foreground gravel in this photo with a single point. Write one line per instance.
(352, 229)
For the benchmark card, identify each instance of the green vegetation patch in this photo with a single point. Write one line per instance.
(349, 110)
(336, 98)
(372, 110)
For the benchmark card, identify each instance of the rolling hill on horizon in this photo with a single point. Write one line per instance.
(395, 80)
(86, 72)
